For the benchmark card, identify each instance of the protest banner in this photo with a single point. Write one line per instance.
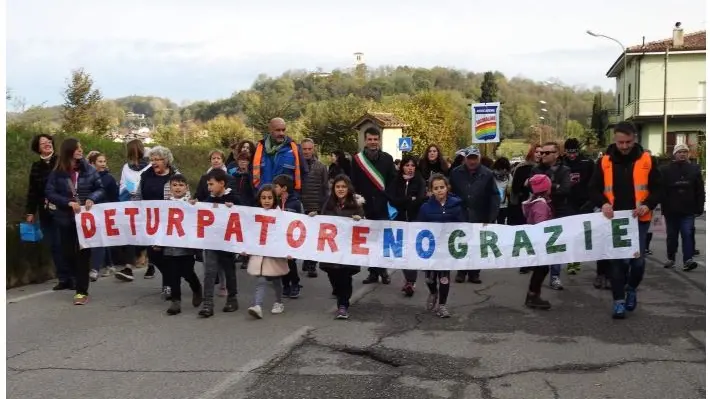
(398, 245)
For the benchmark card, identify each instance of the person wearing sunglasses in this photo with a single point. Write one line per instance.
(551, 166)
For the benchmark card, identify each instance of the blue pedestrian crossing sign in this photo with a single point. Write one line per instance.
(404, 144)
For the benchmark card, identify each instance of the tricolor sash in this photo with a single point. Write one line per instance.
(370, 170)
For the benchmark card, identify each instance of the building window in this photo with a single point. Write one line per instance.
(690, 138)
(628, 95)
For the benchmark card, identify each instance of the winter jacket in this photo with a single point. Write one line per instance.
(426, 169)
(293, 204)
(61, 190)
(202, 192)
(130, 180)
(153, 187)
(537, 210)
(623, 176)
(401, 192)
(39, 172)
(503, 186)
(315, 186)
(228, 196)
(561, 187)
(375, 199)
(452, 211)
(241, 185)
(335, 210)
(683, 188)
(110, 186)
(283, 162)
(580, 173)
(478, 191)
(519, 192)
(177, 251)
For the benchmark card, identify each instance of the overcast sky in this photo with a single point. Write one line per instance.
(193, 50)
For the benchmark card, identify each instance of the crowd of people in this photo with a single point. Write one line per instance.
(276, 172)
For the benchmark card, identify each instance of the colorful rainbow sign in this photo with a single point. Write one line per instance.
(485, 123)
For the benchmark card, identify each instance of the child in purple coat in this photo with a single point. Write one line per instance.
(537, 210)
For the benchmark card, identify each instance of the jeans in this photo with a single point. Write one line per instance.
(214, 261)
(629, 272)
(260, 290)
(100, 257)
(684, 225)
(78, 258)
(52, 237)
(555, 270)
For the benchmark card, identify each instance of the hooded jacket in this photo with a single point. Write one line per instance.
(451, 212)
(623, 175)
(684, 189)
(537, 210)
(130, 180)
(60, 191)
(561, 187)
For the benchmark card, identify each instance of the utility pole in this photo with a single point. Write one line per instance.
(665, 104)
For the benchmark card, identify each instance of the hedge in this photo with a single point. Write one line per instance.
(30, 263)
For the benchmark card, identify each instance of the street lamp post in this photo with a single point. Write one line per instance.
(542, 118)
(623, 88)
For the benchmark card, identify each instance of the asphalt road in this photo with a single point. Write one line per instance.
(123, 345)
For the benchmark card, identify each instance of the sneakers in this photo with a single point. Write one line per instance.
(408, 289)
(196, 299)
(649, 252)
(431, 302)
(81, 299)
(631, 300)
(371, 279)
(206, 311)
(222, 291)
(574, 268)
(166, 293)
(556, 283)
(108, 271)
(255, 311)
(443, 312)
(669, 264)
(342, 313)
(278, 308)
(598, 282)
(232, 305)
(295, 291)
(93, 275)
(690, 265)
(150, 272)
(125, 274)
(287, 291)
(174, 308)
(535, 302)
(619, 311)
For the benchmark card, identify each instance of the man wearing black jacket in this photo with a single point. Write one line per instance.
(684, 199)
(627, 178)
(580, 172)
(372, 171)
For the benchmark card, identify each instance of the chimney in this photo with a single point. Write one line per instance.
(677, 35)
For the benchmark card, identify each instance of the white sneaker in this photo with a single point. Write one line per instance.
(278, 308)
(108, 271)
(93, 275)
(556, 283)
(256, 312)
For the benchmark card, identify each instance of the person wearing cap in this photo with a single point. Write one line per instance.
(559, 174)
(684, 199)
(580, 171)
(627, 179)
(475, 185)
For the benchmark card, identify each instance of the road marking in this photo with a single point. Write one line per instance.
(235, 377)
(28, 296)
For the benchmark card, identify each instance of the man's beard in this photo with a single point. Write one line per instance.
(372, 154)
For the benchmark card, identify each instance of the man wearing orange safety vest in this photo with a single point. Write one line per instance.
(626, 178)
(277, 155)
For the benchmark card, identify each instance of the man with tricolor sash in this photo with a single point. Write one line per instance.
(373, 169)
(627, 178)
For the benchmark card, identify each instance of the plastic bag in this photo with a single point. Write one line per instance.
(30, 232)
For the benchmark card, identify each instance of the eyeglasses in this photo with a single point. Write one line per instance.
(548, 152)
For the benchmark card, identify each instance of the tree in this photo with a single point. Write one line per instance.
(512, 148)
(599, 119)
(489, 88)
(167, 134)
(329, 123)
(80, 99)
(574, 129)
(224, 131)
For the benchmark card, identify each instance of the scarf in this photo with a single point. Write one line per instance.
(270, 148)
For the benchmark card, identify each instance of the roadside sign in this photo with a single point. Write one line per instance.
(404, 144)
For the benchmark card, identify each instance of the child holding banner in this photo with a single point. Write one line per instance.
(345, 203)
(216, 260)
(537, 209)
(265, 268)
(441, 207)
(286, 200)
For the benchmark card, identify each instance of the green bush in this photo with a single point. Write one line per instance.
(27, 264)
